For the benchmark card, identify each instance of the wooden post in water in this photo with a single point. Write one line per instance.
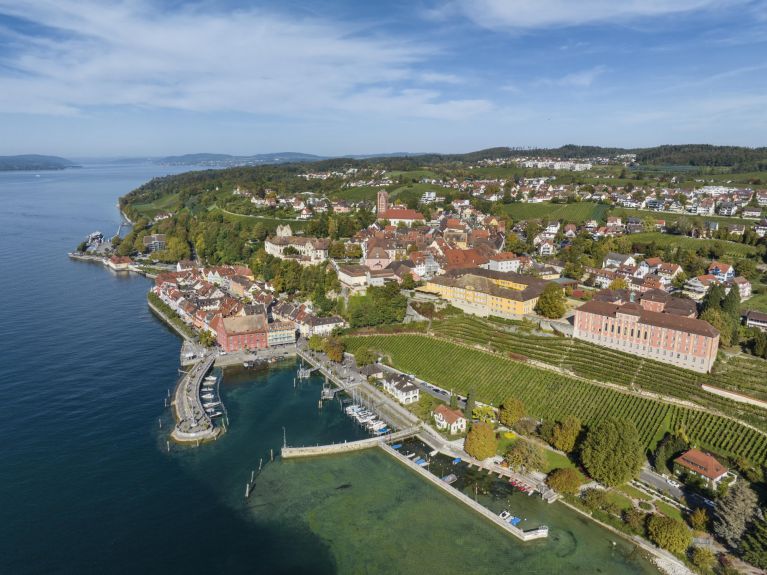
(247, 490)
(167, 444)
(271, 454)
(159, 420)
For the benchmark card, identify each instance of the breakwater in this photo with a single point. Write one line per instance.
(193, 424)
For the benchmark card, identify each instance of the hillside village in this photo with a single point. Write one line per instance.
(665, 282)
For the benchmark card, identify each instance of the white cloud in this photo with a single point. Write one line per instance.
(134, 53)
(531, 14)
(580, 79)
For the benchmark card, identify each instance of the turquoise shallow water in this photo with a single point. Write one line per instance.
(87, 486)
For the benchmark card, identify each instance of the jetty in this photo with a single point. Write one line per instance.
(193, 424)
(347, 446)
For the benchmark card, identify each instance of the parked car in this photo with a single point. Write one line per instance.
(673, 482)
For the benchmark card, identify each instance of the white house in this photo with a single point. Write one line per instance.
(402, 388)
(449, 419)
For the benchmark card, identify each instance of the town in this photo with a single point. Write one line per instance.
(640, 308)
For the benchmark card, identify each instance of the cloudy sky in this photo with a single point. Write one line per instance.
(141, 77)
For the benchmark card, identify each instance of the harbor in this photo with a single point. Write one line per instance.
(196, 405)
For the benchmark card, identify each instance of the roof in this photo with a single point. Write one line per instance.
(702, 463)
(449, 415)
(401, 214)
(756, 315)
(652, 318)
(244, 324)
(476, 282)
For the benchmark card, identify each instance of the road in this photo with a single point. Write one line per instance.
(659, 482)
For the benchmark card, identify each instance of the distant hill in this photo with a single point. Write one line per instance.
(34, 162)
(226, 160)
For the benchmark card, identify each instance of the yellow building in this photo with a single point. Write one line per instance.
(486, 292)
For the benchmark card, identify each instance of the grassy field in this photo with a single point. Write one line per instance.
(574, 213)
(668, 510)
(549, 395)
(355, 194)
(165, 203)
(757, 302)
(270, 223)
(728, 248)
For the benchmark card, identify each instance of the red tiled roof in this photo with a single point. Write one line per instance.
(448, 414)
(701, 463)
(402, 214)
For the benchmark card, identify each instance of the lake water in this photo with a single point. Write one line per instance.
(86, 484)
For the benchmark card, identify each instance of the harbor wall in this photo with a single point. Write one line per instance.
(540, 533)
(346, 447)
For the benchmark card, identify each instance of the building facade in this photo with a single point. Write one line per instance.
(683, 341)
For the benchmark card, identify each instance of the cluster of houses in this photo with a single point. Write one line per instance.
(242, 313)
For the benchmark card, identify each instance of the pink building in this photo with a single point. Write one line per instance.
(637, 329)
(241, 332)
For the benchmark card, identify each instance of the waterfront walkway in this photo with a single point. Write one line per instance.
(193, 425)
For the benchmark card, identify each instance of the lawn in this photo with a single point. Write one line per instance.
(757, 302)
(619, 500)
(575, 213)
(634, 492)
(356, 194)
(668, 510)
(556, 460)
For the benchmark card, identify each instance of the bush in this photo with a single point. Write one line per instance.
(635, 520)
(670, 534)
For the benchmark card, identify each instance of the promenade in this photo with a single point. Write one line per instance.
(346, 447)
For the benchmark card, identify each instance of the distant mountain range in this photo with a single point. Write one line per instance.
(225, 160)
(34, 162)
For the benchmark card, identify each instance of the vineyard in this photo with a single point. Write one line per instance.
(602, 364)
(549, 395)
(576, 213)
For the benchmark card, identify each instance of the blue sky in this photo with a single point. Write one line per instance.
(140, 77)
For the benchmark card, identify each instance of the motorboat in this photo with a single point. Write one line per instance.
(504, 515)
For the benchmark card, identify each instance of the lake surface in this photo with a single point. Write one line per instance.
(86, 483)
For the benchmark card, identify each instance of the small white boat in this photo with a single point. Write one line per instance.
(212, 378)
(211, 404)
(216, 414)
(208, 396)
(504, 515)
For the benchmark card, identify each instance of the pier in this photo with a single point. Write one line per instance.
(193, 424)
(346, 447)
(529, 535)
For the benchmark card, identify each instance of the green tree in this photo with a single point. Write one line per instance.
(611, 451)
(722, 323)
(635, 519)
(316, 343)
(713, 298)
(335, 348)
(698, 519)
(733, 512)
(470, 403)
(667, 449)
(566, 433)
(483, 413)
(754, 545)
(704, 559)
(619, 283)
(408, 282)
(567, 480)
(511, 411)
(731, 303)
(525, 455)
(207, 338)
(551, 303)
(670, 534)
(480, 442)
(364, 356)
